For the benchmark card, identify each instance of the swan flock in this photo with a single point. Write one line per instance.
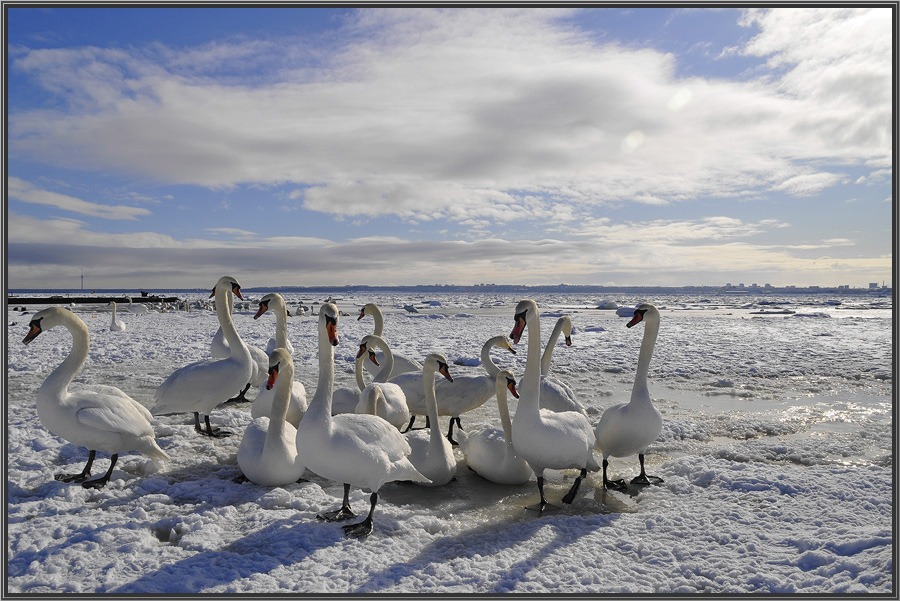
(359, 443)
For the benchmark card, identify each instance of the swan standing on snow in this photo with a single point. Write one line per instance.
(631, 427)
(555, 394)
(356, 449)
(546, 439)
(394, 409)
(268, 451)
(201, 386)
(463, 394)
(490, 452)
(101, 418)
(219, 349)
(401, 364)
(432, 454)
(263, 403)
(115, 325)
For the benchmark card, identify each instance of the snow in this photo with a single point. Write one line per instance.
(776, 455)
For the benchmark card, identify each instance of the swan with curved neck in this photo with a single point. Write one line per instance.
(490, 452)
(463, 394)
(556, 395)
(199, 387)
(115, 325)
(263, 403)
(355, 449)
(401, 364)
(100, 418)
(432, 454)
(394, 408)
(268, 451)
(546, 439)
(631, 427)
(220, 349)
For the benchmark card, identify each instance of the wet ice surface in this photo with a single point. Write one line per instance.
(776, 452)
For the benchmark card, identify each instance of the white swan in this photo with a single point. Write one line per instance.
(101, 418)
(356, 449)
(464, 393)
(219, 349)
(115, 325)
(263, 403)
(268, 451)
(631, 427)
(490, 452)
(555, 394)
(138, 309)
(546, 439)
(394, 408)
(432, 454)
(199, 387)
(345, 400)
(401, 364)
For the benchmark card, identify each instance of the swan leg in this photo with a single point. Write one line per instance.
(643, 478)
(213, 432)
(412, 419)
(613, 484)
(540, 506)
(450, 431)
(240, 398)
(101, 482)
(81, 477)
(339, 515)
(365, 527)
(570, 496)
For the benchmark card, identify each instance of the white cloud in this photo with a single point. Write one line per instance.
(486, 114)
(27, 192)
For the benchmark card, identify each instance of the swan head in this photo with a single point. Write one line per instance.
(368, 309)
(277, 360)
(275, 300)
(44, 320)
(226, 282)
(507, 381)
(643, 312)
(525, 311)
(437, 362)
(370, 340)
(567, 329)
(503, 342)
(363, 349)
(328, 316)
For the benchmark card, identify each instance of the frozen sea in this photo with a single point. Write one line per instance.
(776, 454)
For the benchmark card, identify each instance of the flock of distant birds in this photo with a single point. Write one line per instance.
(356, 437)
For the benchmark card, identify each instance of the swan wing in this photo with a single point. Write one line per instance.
(110, 414)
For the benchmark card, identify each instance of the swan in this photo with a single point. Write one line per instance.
(263, 403)
(432, 454)
(345, 400)
(401, 364)
(100, 418)
(199, 387)
(546, 439)
(115, 325)
(555, 394)
(356, 449)
(463, 394)
(268, 451)
(138, 309)
(490, 452)
(394, 408)
(219, 349)
(631, 427)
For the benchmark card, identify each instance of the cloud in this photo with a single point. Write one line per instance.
(28, 192)
(463, 114)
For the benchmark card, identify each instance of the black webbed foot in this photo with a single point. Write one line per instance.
(644, 479)
(361, 529)
(339, 515)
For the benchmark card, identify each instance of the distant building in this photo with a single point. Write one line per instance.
(873, 284)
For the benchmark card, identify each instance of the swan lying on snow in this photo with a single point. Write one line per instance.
(268, 451)
(101, 418)
(546, 439)
(490, 452)
(631, 427)
(199, 387)
(356, 449)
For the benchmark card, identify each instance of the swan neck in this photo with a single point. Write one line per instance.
(379, 320)
(358, 370)
(385, 371)
(321, 401)
(281, 400)
(640, 389)
(548, 350)
(505, 421)
(57, 383)
(431, 403)
(489, 366)
(531, 380)
(223, 312)
(281, 327)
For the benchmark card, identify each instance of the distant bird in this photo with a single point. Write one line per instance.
(631, 427)
(98, 417)
(201, 386)
(137, 309)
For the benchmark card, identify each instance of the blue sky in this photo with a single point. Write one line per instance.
(161, 147)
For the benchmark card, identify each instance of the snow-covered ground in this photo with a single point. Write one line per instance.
(776, 454)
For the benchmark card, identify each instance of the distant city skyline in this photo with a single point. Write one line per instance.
(160, 147)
